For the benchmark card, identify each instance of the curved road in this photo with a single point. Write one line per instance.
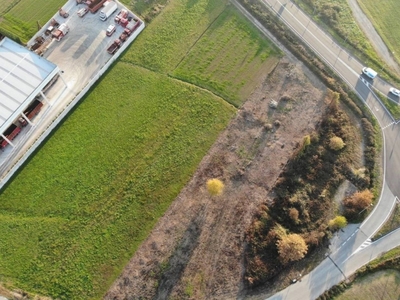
(357, 250)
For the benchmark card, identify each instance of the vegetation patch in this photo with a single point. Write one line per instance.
(19, 20)
(303, 198)
(75, 214)
(379, 285)
(384, 16)
(229, 58)
(146, 9)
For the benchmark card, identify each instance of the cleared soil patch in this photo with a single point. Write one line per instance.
(196, 249)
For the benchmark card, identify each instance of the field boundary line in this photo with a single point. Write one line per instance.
(201, 35)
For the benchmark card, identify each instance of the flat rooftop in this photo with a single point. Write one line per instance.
(23, 74)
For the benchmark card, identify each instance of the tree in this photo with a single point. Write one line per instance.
(338, 222)
(359, 200)
(215, 187)
(291, 247)
(336, 143)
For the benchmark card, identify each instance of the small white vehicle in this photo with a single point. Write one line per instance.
(369, 72)
(110, 29)
(395, 92)
(83, 11)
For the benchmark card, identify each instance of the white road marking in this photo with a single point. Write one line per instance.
(383, 128)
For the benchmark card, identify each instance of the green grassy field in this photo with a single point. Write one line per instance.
(229, 58)
(77, 212)
(379, 285)
(173, 33)
(385, 17)
(20, 16)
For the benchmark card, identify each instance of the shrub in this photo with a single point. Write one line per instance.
(336, 143)
(359, 200)
(291, 248)
(294, 214)
(337, 223)
(215, 187)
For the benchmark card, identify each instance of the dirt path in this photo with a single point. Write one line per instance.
(373, 36)
(196, 249)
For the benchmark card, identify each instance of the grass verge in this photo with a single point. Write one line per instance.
(385, 282)
(379, 285)
(336, 17)
(384, 17)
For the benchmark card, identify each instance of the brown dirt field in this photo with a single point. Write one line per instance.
(196, 249)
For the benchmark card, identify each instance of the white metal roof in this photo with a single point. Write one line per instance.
(23, 74)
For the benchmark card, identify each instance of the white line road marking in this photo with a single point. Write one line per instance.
(383, 128)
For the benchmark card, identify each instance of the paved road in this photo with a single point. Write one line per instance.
(344, 261)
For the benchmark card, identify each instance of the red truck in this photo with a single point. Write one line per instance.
(60, 32)
(10, 134)
(123, 14)
(131, 27)
(114, 46)
(95, 5)
(31, 112)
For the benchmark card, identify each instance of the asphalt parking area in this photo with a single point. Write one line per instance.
(83, 51)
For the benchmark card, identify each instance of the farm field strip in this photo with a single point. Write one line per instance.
(228, 58)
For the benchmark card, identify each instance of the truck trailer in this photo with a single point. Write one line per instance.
(10, 134)
(31, 112)
(108, 10)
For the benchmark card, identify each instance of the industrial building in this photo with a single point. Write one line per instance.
(24, 79)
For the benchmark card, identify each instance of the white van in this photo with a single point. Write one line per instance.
(108, 10)
(369, 72)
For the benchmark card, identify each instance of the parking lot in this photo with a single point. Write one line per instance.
(82, 57)
(83, 51)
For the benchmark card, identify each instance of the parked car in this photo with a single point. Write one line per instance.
(83, 11)
(395, 92)
(111, 29)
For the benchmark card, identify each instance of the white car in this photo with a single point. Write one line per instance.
(395, 92)
(82, 12)
(369, 72)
